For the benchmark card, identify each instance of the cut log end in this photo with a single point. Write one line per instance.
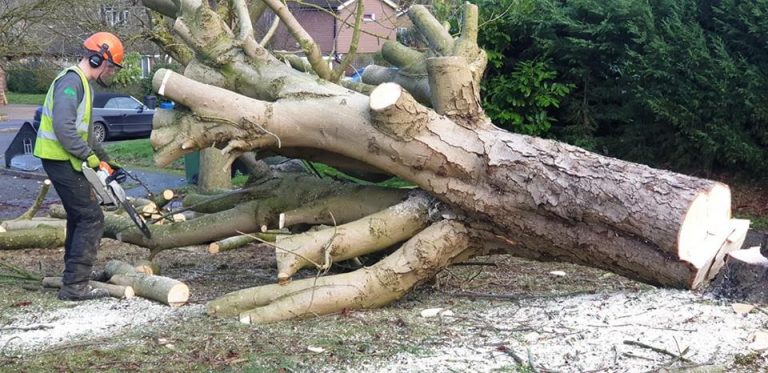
(168, 194)
(213, 248)
(706, 218)
(384, 96)
(178, 295)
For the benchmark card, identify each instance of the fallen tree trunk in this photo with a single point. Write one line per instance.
(45, 238)
(15, 225)
(553, 201)
(558, 201)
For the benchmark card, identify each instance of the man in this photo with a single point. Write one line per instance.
(64, 142)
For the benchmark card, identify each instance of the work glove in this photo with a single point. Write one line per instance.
(93, 161)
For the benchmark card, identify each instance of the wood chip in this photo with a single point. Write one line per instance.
(742, 309)
(430, 312)
(759, 341)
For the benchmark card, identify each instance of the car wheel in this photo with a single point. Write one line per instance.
(99, 132)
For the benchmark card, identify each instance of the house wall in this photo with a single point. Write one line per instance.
(318, 24)
(383, 27)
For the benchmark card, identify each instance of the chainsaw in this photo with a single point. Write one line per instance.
(105, 181)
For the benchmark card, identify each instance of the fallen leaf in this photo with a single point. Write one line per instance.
(742, 309)
(315, 349)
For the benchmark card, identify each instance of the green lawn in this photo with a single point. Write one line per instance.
(25, 98)
(137, 153)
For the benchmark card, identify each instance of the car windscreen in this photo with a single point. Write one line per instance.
(126, 103)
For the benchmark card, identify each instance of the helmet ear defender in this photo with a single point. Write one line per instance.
(95, 59)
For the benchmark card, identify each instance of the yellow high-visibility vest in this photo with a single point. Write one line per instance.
(47, 145)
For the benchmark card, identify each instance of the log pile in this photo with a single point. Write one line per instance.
(126, 281)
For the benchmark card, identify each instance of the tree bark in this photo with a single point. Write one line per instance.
(46, 238)
(360, 237)
(215, 171)
(3, 86)
(15, 225)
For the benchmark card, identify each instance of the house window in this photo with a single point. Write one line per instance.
(146, 66)
(109, 16)
(115, 17)
(369, 17)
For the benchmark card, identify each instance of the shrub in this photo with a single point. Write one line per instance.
(31, 77)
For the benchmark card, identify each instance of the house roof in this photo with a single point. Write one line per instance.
(338, 4)
(348, 2)
(321, 3)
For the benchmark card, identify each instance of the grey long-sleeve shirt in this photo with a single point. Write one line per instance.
(68, 91)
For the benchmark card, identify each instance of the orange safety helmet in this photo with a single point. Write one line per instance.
(104, 46)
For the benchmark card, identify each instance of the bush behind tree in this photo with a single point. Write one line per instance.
(678, 84)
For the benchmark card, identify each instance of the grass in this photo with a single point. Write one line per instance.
(25, 98)
(137, 153)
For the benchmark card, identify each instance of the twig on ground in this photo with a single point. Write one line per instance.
(514, 297)
(657, 349)
(26, 328)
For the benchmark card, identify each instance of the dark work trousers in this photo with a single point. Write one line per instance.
(85, 221)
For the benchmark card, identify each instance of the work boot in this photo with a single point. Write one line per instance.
(82, 291)
(100, 276)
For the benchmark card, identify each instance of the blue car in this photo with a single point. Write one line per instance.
(116, 116)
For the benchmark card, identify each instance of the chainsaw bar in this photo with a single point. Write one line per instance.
(136, 218)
